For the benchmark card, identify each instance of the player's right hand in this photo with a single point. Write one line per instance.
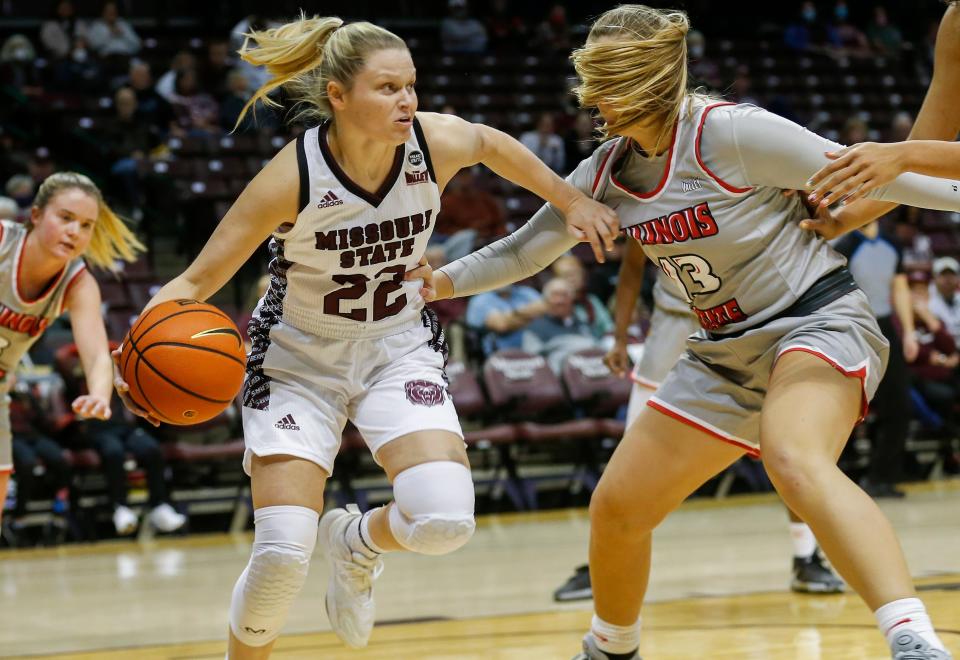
(123, 391)
(617, 360)
(589, 220)
(824, 222)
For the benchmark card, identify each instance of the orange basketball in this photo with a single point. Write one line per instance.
(184, 361)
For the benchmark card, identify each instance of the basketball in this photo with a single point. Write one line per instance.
(184, 361)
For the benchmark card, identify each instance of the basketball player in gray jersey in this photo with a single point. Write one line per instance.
(788, 353)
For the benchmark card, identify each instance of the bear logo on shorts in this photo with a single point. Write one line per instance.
(424, 393)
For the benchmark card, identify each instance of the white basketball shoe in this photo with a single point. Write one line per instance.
(349, 599)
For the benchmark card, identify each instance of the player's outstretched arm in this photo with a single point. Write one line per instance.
(90, 336)
(269, 200)
(455, 144)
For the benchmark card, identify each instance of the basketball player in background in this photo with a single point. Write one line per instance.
(339, 334)
(43, 274)
(671, 322)
(788, 353)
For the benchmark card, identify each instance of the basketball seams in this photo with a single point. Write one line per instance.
(242, 363)
(149, 406)
(209, 309)
(173, 383)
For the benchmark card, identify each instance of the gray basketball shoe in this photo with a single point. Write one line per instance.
(908, 645)
(591, 652)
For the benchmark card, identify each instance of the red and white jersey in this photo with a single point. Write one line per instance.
(23, 319)
(339, 271)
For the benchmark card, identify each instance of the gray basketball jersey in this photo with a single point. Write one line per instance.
(735, 255)
(339, 271)
(23, 319)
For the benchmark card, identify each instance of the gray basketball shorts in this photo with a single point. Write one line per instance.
(665, 343)
(6, 437)
(718, 385)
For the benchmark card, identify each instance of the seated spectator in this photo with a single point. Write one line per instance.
(231, 105)
(587, 308)
(112, 440)
(553, 34)
(151, 106)
(8, 208)
(59, 33)
(464, 205)
(580, 141)
(128, 140)
(505, 28)
(545, 143)
(500, 316)
(885, 38)
(853, 42)
(182, 61)
(21, 189)
(215, 69)
(558, 332)
(808, 34)
(944, 298)
(111, 35)
(460, 32)
(80, 71)
(196, 112)
(18, 65)
(934, 372)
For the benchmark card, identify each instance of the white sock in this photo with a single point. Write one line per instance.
(907, 613)
(804, 542)
(615, 639)
(359, 539)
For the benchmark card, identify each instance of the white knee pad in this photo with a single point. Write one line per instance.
(283, 541)
(433, 507)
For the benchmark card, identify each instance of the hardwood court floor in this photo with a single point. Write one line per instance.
(718, 591)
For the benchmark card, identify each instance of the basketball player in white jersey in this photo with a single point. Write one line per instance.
(43, 275)
(788, 353)
(339, 334)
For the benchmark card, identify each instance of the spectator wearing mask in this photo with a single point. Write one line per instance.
(558, 332)
(885, 37)
(460, 32)
(944, 298)
(545, 143)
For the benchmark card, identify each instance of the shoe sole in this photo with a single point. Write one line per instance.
(814, 588)
(578, 594)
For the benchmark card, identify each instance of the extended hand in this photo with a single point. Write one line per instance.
(123, 391)
(855, 171)
(589, 220)
(91, 406)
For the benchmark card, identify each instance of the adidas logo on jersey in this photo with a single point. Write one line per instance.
(329, 200)
(287, 423)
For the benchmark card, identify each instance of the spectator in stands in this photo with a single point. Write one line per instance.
(580, 140)
(460, 32)
(807, 33)
(196, 112)
(500, 316)
(151, 106)
(111, 35)
(853, 42)
(215, 69)
(885, 38)
(31, 450)
(553, 34)
(545, 143)
(80, 71)
(465, 205)
(182, 61)
(59, 33)
(128, 140)
(855, 131)
(944, 297)
(702, 70)
(112, 440)
(558, 332)
(8, 208)
(934, 372)
(232, 104)
(21, 188)
(17, 65)
(587, 308)
(505, 27)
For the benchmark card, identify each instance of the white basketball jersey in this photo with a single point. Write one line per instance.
(339, 271)
(23, 319)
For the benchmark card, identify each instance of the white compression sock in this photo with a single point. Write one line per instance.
(615, 639)
(804, 542)
(903, 614)
(359, 539)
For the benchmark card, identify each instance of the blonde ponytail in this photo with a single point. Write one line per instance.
(306, 54)
(112, 239)
(635, 61)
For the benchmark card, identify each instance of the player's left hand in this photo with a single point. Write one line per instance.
(436, 285)
(911, 349)
(91, 406)
(855, 171)
(589, 220)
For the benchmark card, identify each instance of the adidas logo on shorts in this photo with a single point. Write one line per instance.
(329, 200)
(287, 424)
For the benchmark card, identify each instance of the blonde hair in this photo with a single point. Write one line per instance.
(306, 54)
(639, 68)
(112, 239)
